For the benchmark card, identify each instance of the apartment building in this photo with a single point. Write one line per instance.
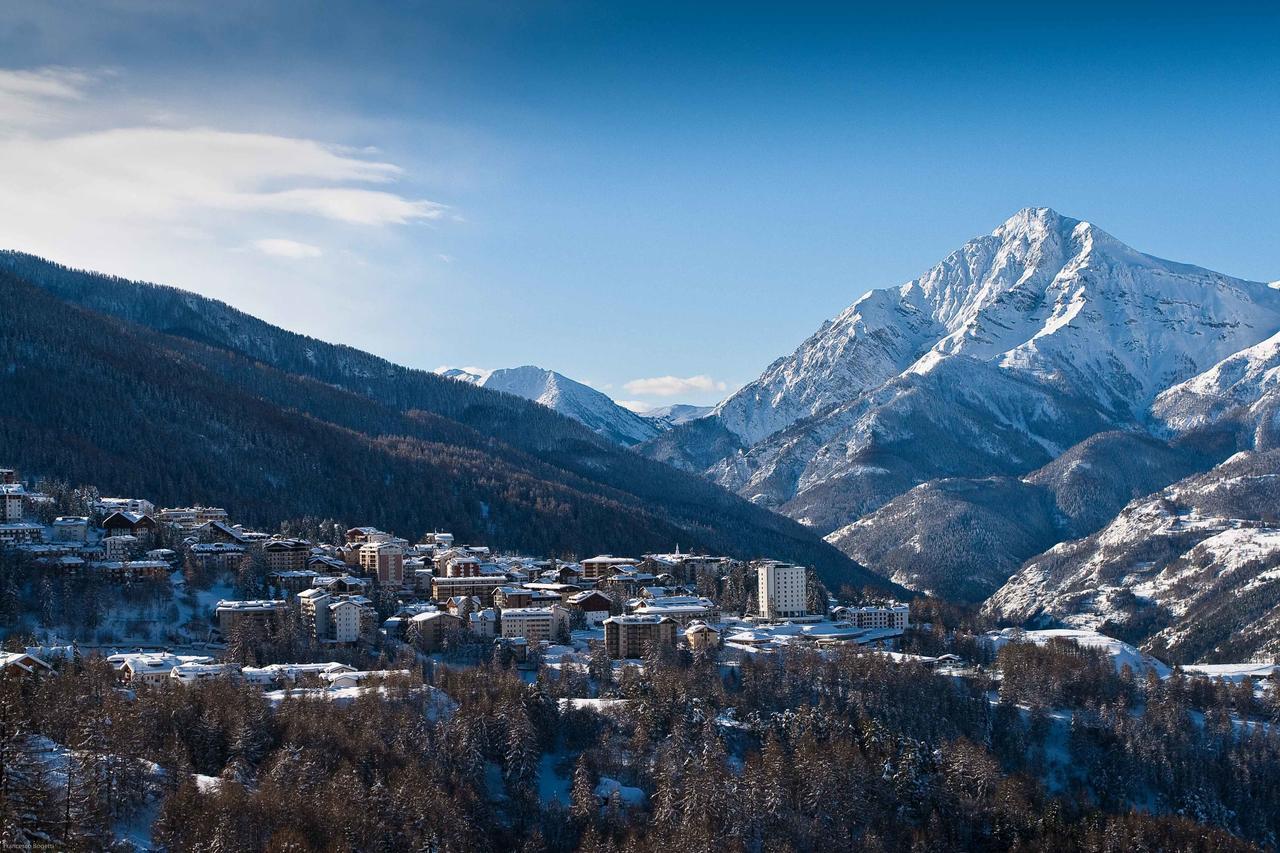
(630, 636)
(259, 613)
(384, 561)
(605, 565)
(535, 624)
(11, 495)
(286, 555)
(782, 591)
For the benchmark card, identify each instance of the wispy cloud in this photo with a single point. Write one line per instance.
(637, 406)
(33, 97)
(89, 175)
(673, 386)
(169, 174)
(282, 248)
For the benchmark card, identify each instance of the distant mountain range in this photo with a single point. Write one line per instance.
(153, 391)
(589, 407)
(1014, 398)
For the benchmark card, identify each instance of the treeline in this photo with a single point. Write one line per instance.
(798, 751)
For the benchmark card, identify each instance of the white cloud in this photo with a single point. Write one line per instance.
(672, 386)
(170, 174)
(37, 96)
(92, 176)
(120, 173)
(282, 248)
(637, 406)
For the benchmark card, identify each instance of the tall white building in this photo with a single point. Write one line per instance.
(11, 501)
(782, 591)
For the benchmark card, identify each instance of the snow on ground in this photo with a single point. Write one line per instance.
(607, 788)
(551, 784)
(1233, 672)
(598, 705)
(1122, 654)
(440, 705)
(206, 784)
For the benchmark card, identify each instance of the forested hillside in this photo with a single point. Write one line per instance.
(222, 408)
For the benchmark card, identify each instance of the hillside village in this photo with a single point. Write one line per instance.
(267, 607)
(184, 605)
(248, 599)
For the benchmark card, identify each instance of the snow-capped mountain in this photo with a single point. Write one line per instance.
(675, 415)
(1243, 388)
(1011, 350)
(1191, 571)
(584, 404)
(474, 375)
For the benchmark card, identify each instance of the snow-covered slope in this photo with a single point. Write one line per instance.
(1243, 388)
(666, 417)
(1043, 294)
(586, 405)
(1192, 571)
(1012, 349)
(1121, 653)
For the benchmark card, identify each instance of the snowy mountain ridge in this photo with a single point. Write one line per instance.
(579, 401)
(595, 410)
(1015, 349)
(1046, 295)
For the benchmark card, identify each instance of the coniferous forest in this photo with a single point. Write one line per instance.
(792, 752)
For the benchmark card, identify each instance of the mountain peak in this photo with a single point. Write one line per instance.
(573, 399)
(1036, 223)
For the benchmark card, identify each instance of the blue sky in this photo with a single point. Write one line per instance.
(622, 192)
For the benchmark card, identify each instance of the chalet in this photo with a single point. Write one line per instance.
(483, 623)
(627, 583)
(366, 535)
(19, 664)
(120, 547)
(220, 531)
(461, 605)
(700, 635)
(343, 584)
(152, 668)
(166, 555)
(594, 606)
(326, 565)
(128, 523)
